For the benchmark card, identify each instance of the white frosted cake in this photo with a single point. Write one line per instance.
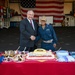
(40, 54)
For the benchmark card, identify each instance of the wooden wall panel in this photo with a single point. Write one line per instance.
(2, 2)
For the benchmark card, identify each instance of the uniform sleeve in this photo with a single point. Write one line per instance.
(54, 35)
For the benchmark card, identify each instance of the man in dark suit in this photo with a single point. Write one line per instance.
(28, 32)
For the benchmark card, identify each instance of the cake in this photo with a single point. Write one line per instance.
(40, 54)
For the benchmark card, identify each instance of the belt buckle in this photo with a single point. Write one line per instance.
(49, 41)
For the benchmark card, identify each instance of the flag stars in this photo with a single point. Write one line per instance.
(28, 3)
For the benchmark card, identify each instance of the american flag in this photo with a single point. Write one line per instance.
(44, 7)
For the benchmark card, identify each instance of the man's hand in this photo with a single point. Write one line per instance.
(54, 45)
(32, 37)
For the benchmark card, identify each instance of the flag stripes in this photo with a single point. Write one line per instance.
(48, 8)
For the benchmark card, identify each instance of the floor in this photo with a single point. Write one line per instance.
(9, 38)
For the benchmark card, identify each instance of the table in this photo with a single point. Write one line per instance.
(37, 68)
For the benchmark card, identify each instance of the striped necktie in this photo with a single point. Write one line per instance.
(32, 24)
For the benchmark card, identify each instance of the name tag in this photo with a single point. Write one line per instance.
(47, 29)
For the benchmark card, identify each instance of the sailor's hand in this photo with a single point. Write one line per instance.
(54, 45)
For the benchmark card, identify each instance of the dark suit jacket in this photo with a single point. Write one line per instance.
(26, 31)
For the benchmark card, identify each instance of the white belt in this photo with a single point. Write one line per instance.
(49, 41)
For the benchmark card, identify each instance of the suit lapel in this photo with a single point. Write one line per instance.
(28, 23)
